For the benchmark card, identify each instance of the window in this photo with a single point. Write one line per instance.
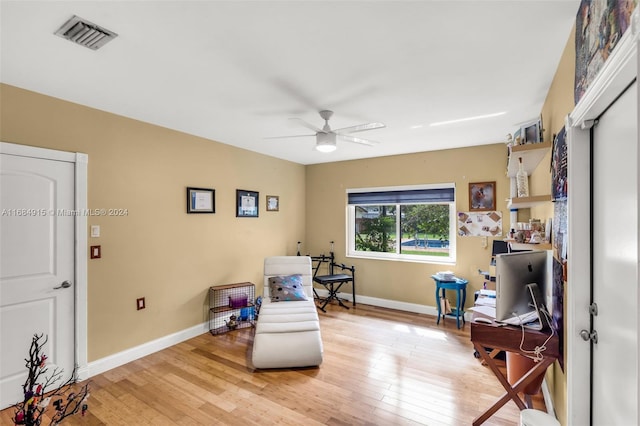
(411, 223)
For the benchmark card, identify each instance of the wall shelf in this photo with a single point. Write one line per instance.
(531, 154)
(527, 246)
(527, 202)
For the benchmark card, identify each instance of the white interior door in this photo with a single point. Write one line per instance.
(615, 263)
(36, 258)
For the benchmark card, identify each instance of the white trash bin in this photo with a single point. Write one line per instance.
(531, 417)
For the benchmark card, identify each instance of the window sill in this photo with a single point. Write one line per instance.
(395, 258)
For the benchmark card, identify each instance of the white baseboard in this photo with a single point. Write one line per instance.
(391, 304)
(121, 358)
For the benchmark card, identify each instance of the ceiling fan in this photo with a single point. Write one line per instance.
(326, 138)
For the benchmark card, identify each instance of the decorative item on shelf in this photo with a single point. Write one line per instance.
(517, 137)
(238, 300)
(535, 238)
(247, 313)
(522, 180)
(532, 131)
(232, 324)
(509, 141)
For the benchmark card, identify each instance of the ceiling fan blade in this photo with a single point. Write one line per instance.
(287, 137)
(358, 140)
(307, 125)
(360, 128)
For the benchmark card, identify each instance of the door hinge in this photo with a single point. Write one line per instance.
(593, 309)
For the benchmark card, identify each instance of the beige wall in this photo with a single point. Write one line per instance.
(158, 251)
(404, 281)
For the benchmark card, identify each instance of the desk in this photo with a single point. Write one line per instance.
(460, 286)
(508, 339)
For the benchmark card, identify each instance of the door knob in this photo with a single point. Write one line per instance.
(65, 284)
(586, 336)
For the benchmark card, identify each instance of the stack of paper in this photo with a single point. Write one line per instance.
(488, 293)
(486, 301)
(484, 311)
(446, 276)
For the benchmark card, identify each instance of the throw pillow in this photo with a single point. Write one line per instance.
(287, 288)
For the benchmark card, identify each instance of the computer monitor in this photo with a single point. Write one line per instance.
(513, 272)
(499, 247)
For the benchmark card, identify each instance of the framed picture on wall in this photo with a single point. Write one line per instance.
(273, 203)
(201, 200)
(482, 196)
(246, 203)
(531, 132)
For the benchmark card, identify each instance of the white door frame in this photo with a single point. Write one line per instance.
(616, 74)
(80, 162)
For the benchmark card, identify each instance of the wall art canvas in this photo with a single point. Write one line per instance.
(599, 26)
(482, 196)
(559, 167)
(558, 306)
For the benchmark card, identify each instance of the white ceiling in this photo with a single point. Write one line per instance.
(235, 71)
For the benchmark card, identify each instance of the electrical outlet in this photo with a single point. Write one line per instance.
(140, 303)
(96, 252)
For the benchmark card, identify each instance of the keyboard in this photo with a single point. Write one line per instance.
(522, 319)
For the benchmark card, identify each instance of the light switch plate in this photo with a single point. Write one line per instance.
(95, 231)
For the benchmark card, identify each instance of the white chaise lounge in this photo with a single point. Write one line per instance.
(287, 333)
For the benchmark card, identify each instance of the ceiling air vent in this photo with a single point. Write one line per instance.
(85, 33)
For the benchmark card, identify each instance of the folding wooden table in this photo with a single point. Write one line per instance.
(507, 338)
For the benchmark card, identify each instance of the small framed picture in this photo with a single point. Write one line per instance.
(246, 203)
(201, 200)
(531, 132)
(273, 203)
(482, 196)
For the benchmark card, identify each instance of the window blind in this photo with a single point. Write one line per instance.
(414, 196)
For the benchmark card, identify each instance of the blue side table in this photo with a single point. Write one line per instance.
(460, 286)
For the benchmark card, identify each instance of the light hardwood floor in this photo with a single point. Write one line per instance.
(381, 367)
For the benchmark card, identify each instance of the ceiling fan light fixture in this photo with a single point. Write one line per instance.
(326, 142)
(325, 148)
